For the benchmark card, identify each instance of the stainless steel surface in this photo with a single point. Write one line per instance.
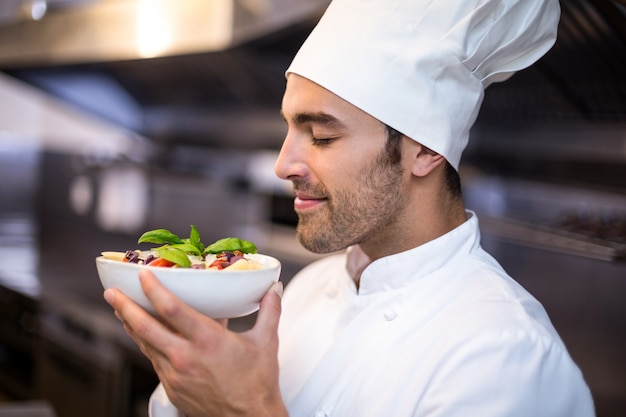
(18, 341)
(34, 121)
(554, 141)
(19, 183)
(80, 369)
(113, 30)
(579, 80)
(552, 217)
(27, 409)
(183, 97)
(18, 253)
(218, 79)
(552, 239)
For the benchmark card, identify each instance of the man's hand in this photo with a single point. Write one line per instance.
(206, 369)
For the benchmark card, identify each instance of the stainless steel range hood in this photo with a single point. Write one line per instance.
(216, 70)
(89, 31)
(196, 71)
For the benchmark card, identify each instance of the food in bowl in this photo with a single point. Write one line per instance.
(227, 253)
(203, 277)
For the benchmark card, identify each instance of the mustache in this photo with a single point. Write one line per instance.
(305, 186)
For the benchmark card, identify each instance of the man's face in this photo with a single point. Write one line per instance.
(347, 191)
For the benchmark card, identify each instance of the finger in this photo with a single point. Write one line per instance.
(130, 331)
(266, 326)
(141, 326)
(181, 317)
(223, 322)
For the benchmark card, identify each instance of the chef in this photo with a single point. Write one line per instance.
(413, 317)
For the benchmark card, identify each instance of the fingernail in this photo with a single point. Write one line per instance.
(109, 295)
(278, 287)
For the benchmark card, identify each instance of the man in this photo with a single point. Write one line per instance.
(415, 319)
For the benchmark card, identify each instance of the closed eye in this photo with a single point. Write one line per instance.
(322, 141)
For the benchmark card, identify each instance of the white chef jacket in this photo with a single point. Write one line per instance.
(437, 331)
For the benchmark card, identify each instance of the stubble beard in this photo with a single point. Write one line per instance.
(356, 215)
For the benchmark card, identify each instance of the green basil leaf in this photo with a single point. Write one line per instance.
(177, 256)
(187, 247)
(231, 244)
(194, 239)
(176, 250)
(159, 236)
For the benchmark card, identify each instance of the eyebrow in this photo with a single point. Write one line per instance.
(315, 117)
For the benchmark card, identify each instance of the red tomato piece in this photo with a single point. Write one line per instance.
(162, 263)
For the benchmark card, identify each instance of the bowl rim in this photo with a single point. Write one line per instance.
(274, 263)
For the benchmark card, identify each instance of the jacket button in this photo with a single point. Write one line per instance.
(390, 315)
(331, 290)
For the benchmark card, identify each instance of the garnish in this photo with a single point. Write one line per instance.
(177, 250)
(230, 244)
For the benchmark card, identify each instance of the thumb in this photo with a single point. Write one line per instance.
(269, 312)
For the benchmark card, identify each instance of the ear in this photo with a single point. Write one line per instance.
(424, 160)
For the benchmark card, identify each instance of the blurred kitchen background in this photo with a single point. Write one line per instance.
(119, 116)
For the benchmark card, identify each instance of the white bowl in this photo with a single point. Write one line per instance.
(217, 294)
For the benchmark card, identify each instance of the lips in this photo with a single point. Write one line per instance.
(305, 201)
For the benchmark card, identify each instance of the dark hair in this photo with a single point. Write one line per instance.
(394, 153)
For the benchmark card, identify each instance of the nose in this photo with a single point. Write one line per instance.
(290, 162)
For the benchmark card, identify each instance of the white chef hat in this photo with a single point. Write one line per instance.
(420, 66)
